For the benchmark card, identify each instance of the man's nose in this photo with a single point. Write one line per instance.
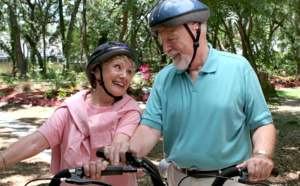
(166, 47)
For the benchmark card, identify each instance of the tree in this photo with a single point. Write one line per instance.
(37, 15)
(18, 56)
(66, 42)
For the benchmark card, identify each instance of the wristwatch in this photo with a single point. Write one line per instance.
(262, 152)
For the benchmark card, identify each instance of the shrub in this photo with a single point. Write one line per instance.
(9, 80)
(2, 94)
(49, 94)
(269, 92)
(62, 94)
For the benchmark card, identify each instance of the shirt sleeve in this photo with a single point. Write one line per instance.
(256, 108)
(53, 128)
(129, 122)
(152, 117)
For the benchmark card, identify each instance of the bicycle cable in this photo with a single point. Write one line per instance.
(227, 178)
(40, 179)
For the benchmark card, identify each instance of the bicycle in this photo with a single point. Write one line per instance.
(135, 164)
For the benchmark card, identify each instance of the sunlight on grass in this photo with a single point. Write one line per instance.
(289, 92)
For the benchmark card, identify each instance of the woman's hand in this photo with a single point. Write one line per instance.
(93, 169)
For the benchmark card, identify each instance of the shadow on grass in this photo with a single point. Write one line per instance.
(11, 107)
(29, 171)
(289, 92)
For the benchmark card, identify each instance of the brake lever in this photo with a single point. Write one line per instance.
(243, 175)
(133, 160)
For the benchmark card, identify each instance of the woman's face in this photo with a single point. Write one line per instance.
(117, 75)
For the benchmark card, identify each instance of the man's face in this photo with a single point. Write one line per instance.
(178, 44)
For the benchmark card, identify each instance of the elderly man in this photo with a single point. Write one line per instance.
(205, 104)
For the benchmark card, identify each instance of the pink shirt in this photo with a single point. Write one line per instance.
(77, 129)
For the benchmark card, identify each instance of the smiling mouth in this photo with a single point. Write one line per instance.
(119, 84)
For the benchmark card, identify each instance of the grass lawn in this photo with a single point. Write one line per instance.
(289, 92)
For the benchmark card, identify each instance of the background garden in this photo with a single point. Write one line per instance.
(45, 44)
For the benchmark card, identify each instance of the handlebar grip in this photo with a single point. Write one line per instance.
(113, 170)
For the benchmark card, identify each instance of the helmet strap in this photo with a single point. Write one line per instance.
(196, 40)
(101, 83)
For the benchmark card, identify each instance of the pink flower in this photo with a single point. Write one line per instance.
(144, 69)
(147, 76)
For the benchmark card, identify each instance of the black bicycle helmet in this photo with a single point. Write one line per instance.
(172, 13)
(101, 54)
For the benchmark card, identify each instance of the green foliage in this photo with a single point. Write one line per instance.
(2, 94)
(81, 79)
(49, 94)
(64, 81)
(272, 27)
(9, 80)
(269, 93)
(62, 94)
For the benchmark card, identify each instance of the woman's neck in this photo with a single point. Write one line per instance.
(99, 98)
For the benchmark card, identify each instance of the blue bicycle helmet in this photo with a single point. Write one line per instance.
(101, 54)
(172, 13)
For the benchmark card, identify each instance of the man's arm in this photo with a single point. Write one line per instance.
(140, 144)
(264, 138)
(260, 165)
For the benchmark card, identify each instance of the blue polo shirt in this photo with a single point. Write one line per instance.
(206, 125)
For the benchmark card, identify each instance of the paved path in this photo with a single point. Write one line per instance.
(21, 129)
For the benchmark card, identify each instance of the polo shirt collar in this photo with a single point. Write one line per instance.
(211, 63)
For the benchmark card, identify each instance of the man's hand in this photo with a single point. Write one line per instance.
(259, 167)
(93, 169)
(116, 153)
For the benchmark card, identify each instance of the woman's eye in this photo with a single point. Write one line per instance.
(118, 66)
(129, 72)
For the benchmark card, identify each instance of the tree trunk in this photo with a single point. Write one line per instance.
(44, 51)
(124, 27)
(134, 30)
(228, 32)
(297, 61)
(84, 31)
(246, 42)
(69, 36)
(215, 37)
(16, 40)
(62, 25)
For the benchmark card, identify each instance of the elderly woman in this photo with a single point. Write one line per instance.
(89, 120)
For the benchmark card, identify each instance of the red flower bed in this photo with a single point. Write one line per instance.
(285, 82)
(35, 97)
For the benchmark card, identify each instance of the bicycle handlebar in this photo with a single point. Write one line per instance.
(131, 161)
(242, 172)
(135, 164)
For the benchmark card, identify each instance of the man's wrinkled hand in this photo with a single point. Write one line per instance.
(259, 167)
